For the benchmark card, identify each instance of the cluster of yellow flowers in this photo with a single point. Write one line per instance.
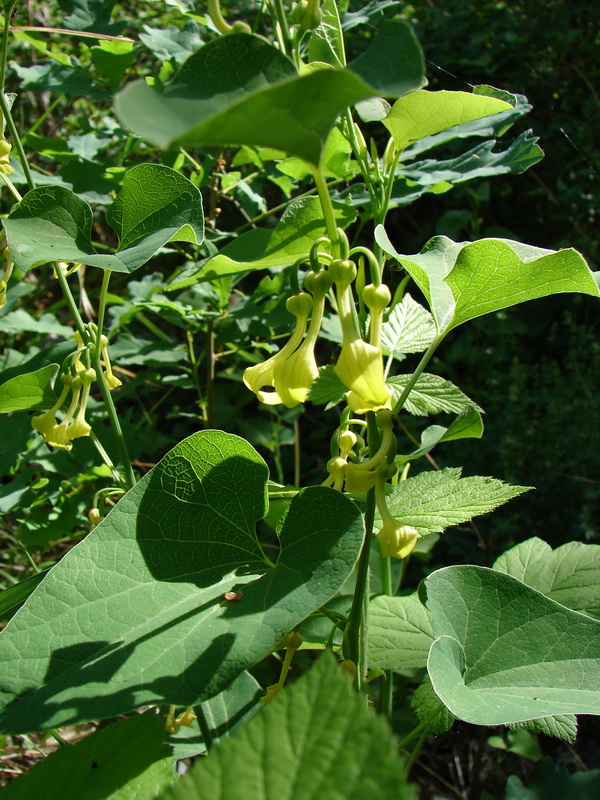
(287, 377)
(77, 379)
(290, 373)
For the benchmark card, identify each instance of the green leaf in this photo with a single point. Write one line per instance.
(400, 633)
(326, 42)
(90, 15)
(13, 596)
(430, 395)
(409, 328)
(223, 714)
(171, 42)
(54, 77)
(151, 625)
(553, 782)
(28, 391)
(293, 236)
(479, 162)
(20, 320)
(424, 113)
(431, 501)
(316, 739)
(424, 702)
(239, 89)
(126, 761)
(570, 575)
(156, 205)
(327, 389)
(506, 653)
(492, 126)
(112, 59)
(561, 726)
(465, 280)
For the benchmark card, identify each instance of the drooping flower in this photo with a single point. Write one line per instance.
(262, 375)
(360, 364)
(360, 368)
(111, 380)
(396, 539)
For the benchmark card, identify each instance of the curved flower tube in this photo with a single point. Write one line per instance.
(360, 365)
(293, 377)
(263, 374)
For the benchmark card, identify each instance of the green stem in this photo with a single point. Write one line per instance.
(16, 141)
(327, 206)
(104, 390)
(416, 374)
(14, 191)
(355, 636)
(40, 120)
(102, 308)
(422, 726)
(113, 417)
(66, 290)
(414, 754)
(285, 28)
(106, 458)
(204, 727)
(8, 11)
(214, 12)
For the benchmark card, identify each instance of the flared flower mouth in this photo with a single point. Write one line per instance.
(395, 539)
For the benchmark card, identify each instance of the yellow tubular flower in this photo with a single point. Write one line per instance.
(360, 365)
(293, 377)
(263, 375)
(111, 380)
(360, 368)
(395, 539)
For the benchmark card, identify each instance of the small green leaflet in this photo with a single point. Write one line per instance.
(432, 501)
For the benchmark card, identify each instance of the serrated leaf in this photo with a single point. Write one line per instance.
(240, 89)
(151, 625)
(570, 575)
(293, 236)
(431, 394)
(424, 113)
(464, 280)
(432, 501)
(126, 761)
(409, 328)
(424, 702)
(504, 652)
(156, 205)
(327, 388)
(561, 726)
(316, 739)
(400, 633)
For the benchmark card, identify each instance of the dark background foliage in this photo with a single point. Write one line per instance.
(535, 368)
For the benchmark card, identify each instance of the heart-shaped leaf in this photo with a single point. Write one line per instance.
(156, 205)
(506, 653)
(239, 89)
(424, 113)
(464, 280)
(570, 575)
(135, 614)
